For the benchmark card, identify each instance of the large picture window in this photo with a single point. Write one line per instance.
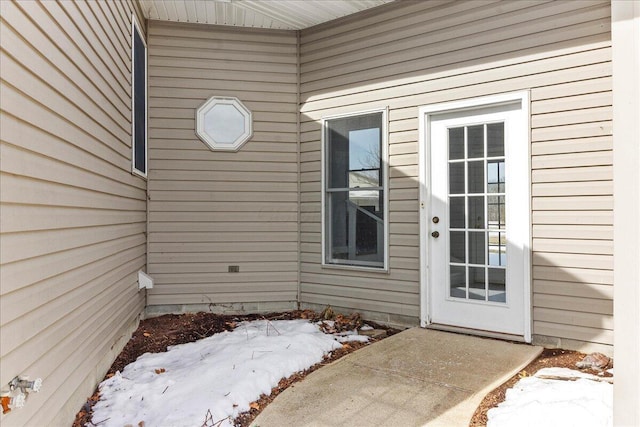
(354, 190)
(139, 101)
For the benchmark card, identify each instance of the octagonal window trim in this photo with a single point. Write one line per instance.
(224, 123)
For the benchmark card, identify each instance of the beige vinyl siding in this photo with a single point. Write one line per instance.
(73, 218)
(407, 55)
(212, 209)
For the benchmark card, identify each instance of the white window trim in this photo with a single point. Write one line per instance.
(385, 182)
(136, 27)
(208, 139)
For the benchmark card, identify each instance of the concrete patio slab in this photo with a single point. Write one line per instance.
(414, 378)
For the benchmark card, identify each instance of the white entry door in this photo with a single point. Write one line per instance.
(476, 217)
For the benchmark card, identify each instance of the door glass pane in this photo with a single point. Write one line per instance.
(495, 176)
(496, 212)
(456, 143)
(475, 141)
(476, 247)
(456, 241)
(457, 282)
(477, 220)
(476, 212)
(497, 249)
(495, 140)
(476, 283)
(475, 177)
(497, 288)
(456, 212)
(456, 178)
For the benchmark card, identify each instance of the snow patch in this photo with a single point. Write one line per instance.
(222, 374)
(350, 336)
(535, 401)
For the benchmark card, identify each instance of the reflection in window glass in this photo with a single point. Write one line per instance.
(497, 288)
(495, 177)
(354, 221)
(496, 212)
(364, 158)
(475, 216)
(476, 283)
(457, 282)
(497, 246)
(476, 247)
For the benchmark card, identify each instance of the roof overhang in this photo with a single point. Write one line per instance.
(273, 14)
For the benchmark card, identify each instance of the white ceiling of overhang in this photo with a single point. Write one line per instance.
(274, 14)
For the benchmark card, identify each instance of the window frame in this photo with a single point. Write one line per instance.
(209, 139)
(136, 29)
(324, 170)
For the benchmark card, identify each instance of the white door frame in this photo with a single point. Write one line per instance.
(425, 115)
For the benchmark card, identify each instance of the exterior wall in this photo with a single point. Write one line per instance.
(407, 55)
(207, 209)
(73, 216)
(625, 18)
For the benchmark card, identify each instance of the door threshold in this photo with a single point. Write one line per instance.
(477, 332)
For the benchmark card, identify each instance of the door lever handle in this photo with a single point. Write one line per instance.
(435, 234)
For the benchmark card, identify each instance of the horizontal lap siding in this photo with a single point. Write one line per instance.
(73, 216)
(209, 210)
(408, 55)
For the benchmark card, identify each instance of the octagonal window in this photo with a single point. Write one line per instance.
(223, 123)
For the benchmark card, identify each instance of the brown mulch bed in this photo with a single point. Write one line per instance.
(549, 358)
(156, 334)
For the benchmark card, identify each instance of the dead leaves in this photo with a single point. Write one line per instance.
(332, 323)
(160, 371)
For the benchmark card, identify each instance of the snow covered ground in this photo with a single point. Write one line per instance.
(212, 380)
(536, 401)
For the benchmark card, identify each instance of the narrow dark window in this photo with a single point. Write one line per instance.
(355, 222)
(139, 107)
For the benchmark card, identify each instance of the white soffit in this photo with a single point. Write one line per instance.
(274, 14)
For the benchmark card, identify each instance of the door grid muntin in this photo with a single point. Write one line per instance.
(476, 219)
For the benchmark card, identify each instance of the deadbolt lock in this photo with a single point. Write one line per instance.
(435, 220)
